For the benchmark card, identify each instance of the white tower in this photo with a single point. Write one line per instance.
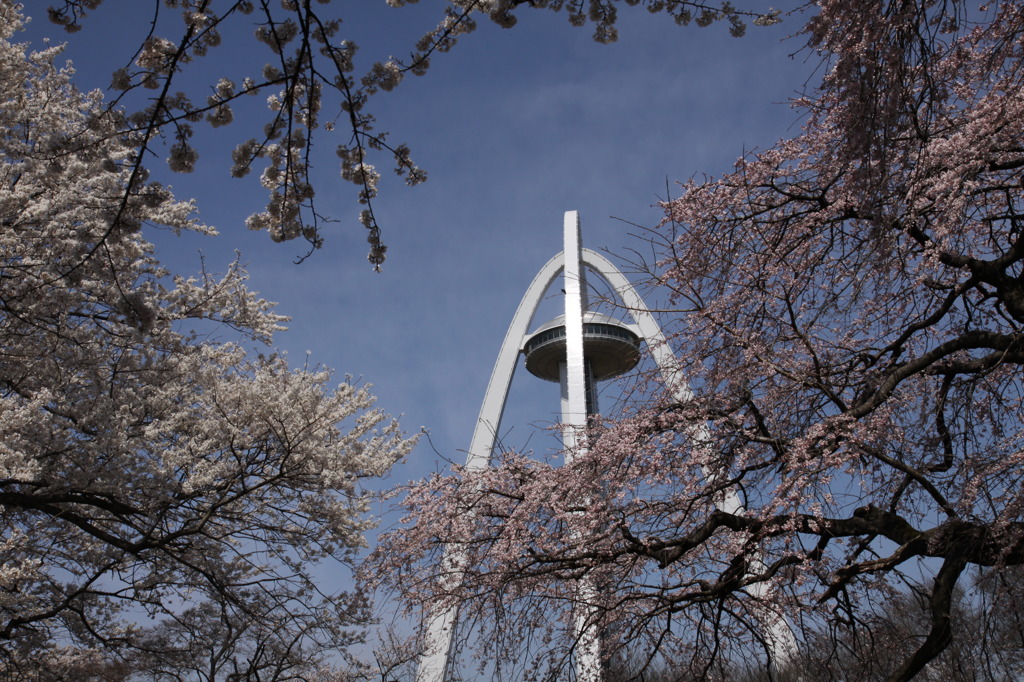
(576, 350)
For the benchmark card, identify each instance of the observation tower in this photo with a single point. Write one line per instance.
(576, 349)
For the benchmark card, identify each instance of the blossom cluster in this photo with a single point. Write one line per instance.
(307, 61)
(165, 496)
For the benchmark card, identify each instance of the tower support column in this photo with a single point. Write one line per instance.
(574, 434)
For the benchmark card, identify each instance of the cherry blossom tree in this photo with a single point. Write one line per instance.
(167, 495)
(310, 85)
(848, 307)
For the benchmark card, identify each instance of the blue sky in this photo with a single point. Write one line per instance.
(514, 127)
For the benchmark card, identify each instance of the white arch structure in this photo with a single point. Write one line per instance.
(572, 263)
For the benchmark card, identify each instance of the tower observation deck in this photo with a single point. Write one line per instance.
(610, 348)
